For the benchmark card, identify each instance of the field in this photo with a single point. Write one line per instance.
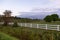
(23, 33)
(43, 22)
(36, 21)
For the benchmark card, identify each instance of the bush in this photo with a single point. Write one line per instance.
(5, 24)
(15, 24)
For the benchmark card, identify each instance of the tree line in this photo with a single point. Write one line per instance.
(48, 18)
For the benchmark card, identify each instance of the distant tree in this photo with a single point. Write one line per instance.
(48, 18)
(55, 17)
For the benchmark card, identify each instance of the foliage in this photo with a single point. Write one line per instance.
(6, 17)
(15, 24)
(5, 24)
(55, 17)
(48, 18)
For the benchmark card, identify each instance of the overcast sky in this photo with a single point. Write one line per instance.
(17, 6)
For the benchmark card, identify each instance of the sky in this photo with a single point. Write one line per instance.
(17, 6)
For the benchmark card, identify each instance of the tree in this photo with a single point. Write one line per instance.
(48, 18)
(55, 17)
(7, 17)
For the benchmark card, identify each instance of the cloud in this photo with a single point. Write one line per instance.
(45, 10)
(55, 3)
(17, 6)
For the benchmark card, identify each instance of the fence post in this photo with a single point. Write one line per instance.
(25, 24)
(37, 25)
(46, 27)
(57, 27)
(30, 25)
(21, 24)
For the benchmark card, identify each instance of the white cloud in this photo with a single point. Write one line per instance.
(52, 0)
(17, 6)
(55, 3)
(45, 10)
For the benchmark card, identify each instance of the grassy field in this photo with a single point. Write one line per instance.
(23, 33)
(37, 21)
(43, 22)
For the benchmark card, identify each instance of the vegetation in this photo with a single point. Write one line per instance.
(53, 17)
(15, 24)
(23, 33)
(6, 37)
(48, 18)
(6, 17)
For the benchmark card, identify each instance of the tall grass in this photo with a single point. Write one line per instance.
(23, 33)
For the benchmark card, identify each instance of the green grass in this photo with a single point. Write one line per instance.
(43, 22)
(38, 21)
(6, 37)
(23, 33)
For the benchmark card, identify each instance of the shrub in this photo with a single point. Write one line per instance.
(5, 24)
(15, 24)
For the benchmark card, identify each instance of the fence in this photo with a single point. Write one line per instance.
(41, 26)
